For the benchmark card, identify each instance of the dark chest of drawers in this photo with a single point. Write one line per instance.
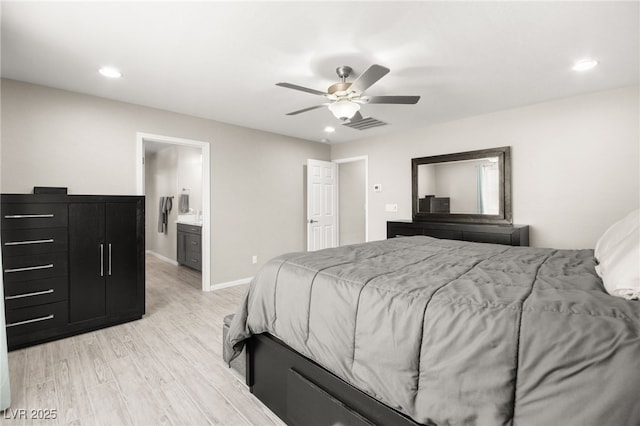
(70, 264)
(514, 235)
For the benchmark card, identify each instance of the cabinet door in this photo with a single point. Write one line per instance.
(182, 247)
(87, 255)
(122, 258)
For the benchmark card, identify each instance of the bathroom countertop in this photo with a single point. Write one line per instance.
(189, 219)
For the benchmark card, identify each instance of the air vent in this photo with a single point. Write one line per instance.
(365, 123)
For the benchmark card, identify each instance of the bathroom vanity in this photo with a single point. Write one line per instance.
(190, 244)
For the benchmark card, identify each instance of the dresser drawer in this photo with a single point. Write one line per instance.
(36, 292)
(194, 261)
(36, 215)
(482, 237)
(404, 231)
(193, 242)
(20, 242)
(191, 229)
(34, 267)
(446, 234)
(35, 319)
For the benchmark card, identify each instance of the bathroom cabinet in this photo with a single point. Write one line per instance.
(190, 246)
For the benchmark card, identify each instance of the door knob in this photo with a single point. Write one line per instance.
(313, 221)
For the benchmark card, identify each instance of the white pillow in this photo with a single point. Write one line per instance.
(618, 255)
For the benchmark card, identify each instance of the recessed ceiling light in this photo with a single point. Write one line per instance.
(585, 64)
(329, 129)
(110, 72)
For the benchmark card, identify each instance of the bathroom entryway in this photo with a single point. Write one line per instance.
(174, 178)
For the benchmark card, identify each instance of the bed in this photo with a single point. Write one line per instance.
(440, 332)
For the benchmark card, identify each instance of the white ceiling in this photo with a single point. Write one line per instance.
(221, 60)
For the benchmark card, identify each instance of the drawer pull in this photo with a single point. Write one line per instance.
(27, 216)
(21, 243)
(193, 243)
(48, 317)
(29, 268)
(35, 293)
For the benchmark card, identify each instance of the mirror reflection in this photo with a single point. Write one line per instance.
(472, 186)
(460, 187)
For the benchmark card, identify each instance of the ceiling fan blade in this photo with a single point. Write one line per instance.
(302, 89)
(368, 78)
(393, 99)
(305, 110)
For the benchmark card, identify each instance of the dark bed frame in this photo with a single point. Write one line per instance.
(302, 392)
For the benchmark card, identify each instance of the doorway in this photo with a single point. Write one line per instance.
(174, 146)
(353, 200)
(337, 202)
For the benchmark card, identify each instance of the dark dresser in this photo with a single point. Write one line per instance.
(514, 235)
(71, 264)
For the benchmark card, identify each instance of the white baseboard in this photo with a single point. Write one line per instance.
(230, 284)
(161, 257)
(214, 286)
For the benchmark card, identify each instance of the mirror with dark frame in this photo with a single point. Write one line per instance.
(473, 186)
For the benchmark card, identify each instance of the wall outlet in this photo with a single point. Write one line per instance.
(254, 259)
(391, 207)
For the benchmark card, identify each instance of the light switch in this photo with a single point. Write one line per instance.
(377, 187)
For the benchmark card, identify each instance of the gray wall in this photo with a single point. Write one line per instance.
(459, 182)
(576, 164)
(52, 137)
(351, 202)
(159, 178)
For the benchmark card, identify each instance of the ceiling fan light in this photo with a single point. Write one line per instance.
(344, 109)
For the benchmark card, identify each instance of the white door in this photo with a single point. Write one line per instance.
(322, 221)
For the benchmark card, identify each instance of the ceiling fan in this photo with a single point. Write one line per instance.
(344, 99)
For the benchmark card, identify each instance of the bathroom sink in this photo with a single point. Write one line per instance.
(189, 219)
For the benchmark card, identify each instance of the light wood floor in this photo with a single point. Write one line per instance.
(164, 369)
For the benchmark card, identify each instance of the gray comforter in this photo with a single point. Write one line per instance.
(453, 333)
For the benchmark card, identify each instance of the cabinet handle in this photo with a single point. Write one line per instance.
(193, 243)
(102, 260)
(29, 268)
(27, 216)
(21, 243)
(35, 293)
(109, 259)
(48, 317)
